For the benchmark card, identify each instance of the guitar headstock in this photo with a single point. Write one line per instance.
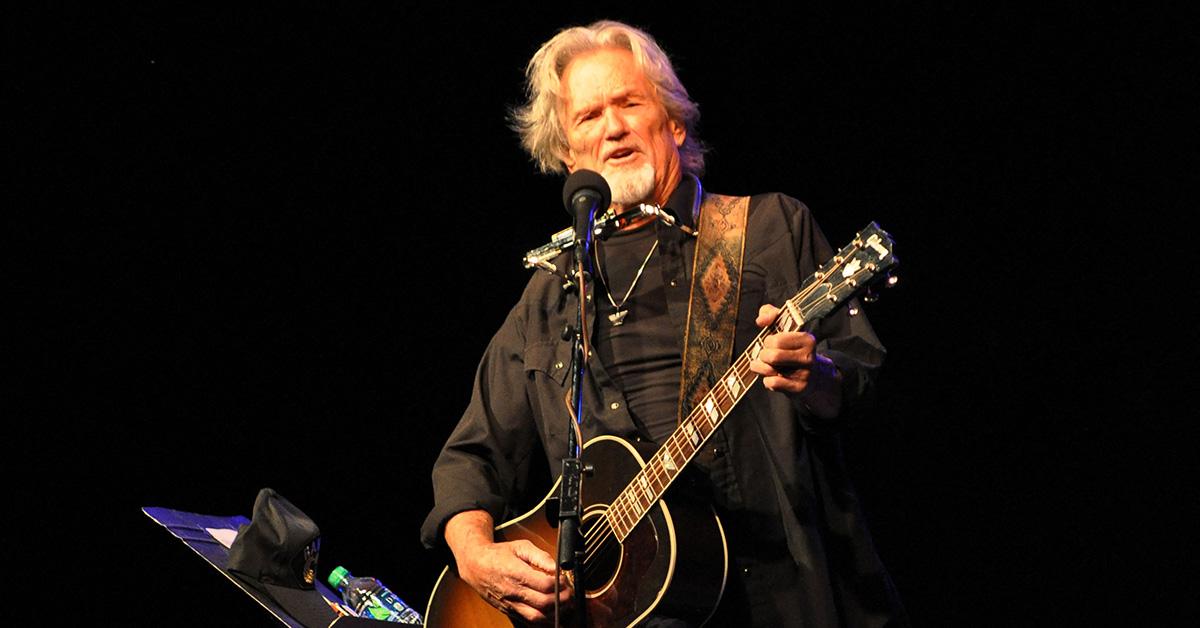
(856, 268)
(879, 245)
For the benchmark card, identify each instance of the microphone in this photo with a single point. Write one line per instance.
(585, 192)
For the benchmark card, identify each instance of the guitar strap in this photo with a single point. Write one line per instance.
(716, 285)
(711, 324)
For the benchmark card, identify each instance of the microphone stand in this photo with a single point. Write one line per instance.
(570, 547)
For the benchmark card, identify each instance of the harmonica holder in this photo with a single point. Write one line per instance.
(606, 225)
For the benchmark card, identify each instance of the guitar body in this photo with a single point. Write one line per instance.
(673, 562)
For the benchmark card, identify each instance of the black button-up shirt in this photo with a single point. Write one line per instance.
(776, 472)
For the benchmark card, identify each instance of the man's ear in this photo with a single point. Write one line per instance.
(568, 157)
(678, 131)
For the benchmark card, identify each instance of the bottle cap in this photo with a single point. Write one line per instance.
(336, 576)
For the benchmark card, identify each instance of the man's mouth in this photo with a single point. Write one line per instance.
(620, 155)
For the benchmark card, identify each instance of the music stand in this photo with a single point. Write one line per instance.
(306, 609)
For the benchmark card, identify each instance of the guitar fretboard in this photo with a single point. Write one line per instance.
(833, 283)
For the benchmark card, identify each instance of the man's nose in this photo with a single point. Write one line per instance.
(614, 124)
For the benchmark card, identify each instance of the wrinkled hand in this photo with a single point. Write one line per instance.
(789, 363)
(516, 577)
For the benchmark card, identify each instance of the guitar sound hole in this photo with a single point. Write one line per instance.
(603, 552)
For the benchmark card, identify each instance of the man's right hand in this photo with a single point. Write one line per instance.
(516, 577)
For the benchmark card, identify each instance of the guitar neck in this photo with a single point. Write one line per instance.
(847, 273)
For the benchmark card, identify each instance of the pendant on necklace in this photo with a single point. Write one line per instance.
(618, 318)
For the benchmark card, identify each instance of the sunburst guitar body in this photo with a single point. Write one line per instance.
(673, 562)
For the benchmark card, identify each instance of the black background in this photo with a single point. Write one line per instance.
(266, 246)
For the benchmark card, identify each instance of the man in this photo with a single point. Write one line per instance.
(605, 98)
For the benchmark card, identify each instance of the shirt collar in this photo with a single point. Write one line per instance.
(684, 202)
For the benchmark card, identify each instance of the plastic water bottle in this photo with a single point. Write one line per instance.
(367, 597)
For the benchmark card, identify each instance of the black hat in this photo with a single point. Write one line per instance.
(277, 553)
(279, 546)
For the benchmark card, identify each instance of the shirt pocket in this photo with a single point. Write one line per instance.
(550, 359)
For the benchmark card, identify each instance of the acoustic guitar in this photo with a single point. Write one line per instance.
(650, 549)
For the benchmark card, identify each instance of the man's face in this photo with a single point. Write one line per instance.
(616, 125)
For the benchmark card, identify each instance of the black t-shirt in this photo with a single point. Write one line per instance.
(642, 355)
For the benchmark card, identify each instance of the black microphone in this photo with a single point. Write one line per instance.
(585, 192)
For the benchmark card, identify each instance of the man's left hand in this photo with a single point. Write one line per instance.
(789, 363)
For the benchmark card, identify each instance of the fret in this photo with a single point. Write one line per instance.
(671, 459)
(738, 375)
(621, 513)
(651, 469)
(664, 474)
(643, 500)
(679, 456)
(630, 511)
(659, 479)
(614, 517)
(645, 477)
(627, 519)
(734, 384)
(725, 399)
(693, 436)
(611, 516)
(668, 463)
(754, 350)
(647, 494)
(710, 408)
(675, 446)
(796, 319)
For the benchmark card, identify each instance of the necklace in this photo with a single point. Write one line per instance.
(617, 318)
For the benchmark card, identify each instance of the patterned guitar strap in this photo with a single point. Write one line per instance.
(716, 286)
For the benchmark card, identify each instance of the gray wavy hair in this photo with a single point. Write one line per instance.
(537, 120)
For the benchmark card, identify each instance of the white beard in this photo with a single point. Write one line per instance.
(630, 186)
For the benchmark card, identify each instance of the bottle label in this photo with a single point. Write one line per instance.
(378, 602)
(399, 610)
(377, 609)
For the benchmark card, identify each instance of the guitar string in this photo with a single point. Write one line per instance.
(722, 397)
(657, 476)
(598, 533)
(596, 543)
(718, 393)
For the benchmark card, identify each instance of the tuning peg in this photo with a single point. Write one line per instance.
(892, 280)
(870, 296)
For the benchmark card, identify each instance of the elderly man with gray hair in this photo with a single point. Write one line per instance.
(763, 527)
